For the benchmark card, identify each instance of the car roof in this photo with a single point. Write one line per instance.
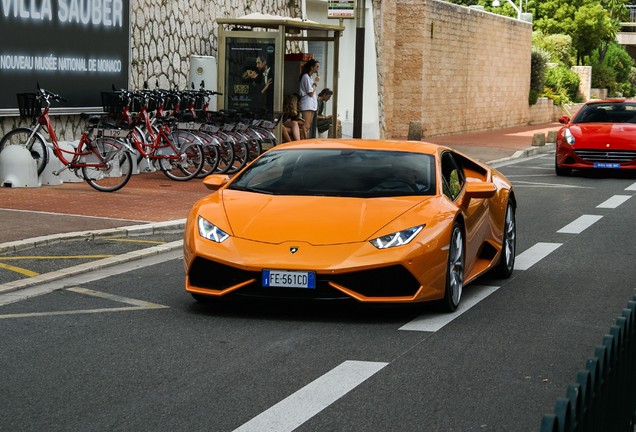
(365, 144)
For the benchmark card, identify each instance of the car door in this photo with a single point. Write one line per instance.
(475, 211)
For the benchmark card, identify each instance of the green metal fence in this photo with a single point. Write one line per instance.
(603, 398)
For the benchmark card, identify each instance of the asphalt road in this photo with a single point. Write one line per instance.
(127, 349)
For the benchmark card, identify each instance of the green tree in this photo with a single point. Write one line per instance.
(558, 46)
(592, 27)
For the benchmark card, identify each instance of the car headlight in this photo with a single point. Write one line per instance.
(397, 238)
(569, 138)
(211, 231)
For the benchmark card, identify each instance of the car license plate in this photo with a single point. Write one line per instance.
(289, 279)
(606, 165)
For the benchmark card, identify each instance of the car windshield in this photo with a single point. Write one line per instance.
(607, 112)
(339, 172)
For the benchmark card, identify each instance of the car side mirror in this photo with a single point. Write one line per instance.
(216, 181)
(478, 190)
(564, 119)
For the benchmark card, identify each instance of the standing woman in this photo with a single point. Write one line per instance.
(308, 95)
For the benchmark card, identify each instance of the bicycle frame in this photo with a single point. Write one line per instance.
(79, 157)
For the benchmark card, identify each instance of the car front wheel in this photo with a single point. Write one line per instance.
(508, 245)
(454, 270)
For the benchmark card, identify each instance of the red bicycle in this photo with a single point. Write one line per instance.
(102, 157)
(180, 154)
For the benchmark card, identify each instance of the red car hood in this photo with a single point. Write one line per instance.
(311, 219)
(592, 135)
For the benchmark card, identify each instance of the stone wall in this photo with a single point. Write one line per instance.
(164, 34)
(452, 68)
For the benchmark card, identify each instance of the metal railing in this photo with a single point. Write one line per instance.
(604, 395)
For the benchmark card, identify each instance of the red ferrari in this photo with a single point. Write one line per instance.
(602, 135)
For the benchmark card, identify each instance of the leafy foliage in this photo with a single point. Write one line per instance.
(538, 64)
(614, 72)
(561, 84)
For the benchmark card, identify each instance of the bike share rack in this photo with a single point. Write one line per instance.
(54, 165)
(18, 168)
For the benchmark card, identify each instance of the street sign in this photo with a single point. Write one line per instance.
(341, 9)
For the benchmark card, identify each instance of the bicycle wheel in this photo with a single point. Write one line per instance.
(226, 155)
(210, 152)
(33, 142)
(187, 166)
(241, 156)
(116, 169)
(143, 138)
(255, 148)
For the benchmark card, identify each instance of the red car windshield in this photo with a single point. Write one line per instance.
(607, 112)
(339, 172)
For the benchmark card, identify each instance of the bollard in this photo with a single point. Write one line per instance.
(18, 168)
(551, 138)
(563, 411)
(415, 131)
(538, 139)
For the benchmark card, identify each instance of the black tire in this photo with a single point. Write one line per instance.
(117, 171)
(255, 148)
(35, 145)
(509, 244)
(226, 157)
(454, 270)
(241, 156)
(187, 167)
(211, 153)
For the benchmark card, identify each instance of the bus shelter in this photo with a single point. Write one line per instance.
(260, 58)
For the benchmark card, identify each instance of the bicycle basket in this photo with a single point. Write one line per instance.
(29, 105)
(112, 103)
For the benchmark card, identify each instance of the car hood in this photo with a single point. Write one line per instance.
(316, 220)
(601, 134)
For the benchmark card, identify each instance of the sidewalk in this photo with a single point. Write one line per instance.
(28, 213)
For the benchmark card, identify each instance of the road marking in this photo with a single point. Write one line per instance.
(53, 257)
(73, 215)
(631, 187)
(134, 241)
(614, 201)
(299, 407)
(135, 305)
(20, 270)
(432, 322)
(548, 185)
(580, 224)
(535, 254)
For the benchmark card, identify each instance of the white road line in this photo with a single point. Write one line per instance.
(548, 185)
(631, 187)
(614, 201)
(299, 407)
(580, 224)
(136, 305)
(535, 254)
(434, 321)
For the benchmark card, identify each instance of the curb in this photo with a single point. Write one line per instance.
(129, 231)
(526, 153)
(89, 267)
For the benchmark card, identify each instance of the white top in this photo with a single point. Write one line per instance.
(308, 103)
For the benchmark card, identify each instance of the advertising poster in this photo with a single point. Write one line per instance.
(75, 48)
(249, 74)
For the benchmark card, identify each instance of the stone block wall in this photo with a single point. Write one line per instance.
(453, 68)
(164, 34)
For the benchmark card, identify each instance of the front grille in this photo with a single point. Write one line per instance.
(393, 281)
(609, 156)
